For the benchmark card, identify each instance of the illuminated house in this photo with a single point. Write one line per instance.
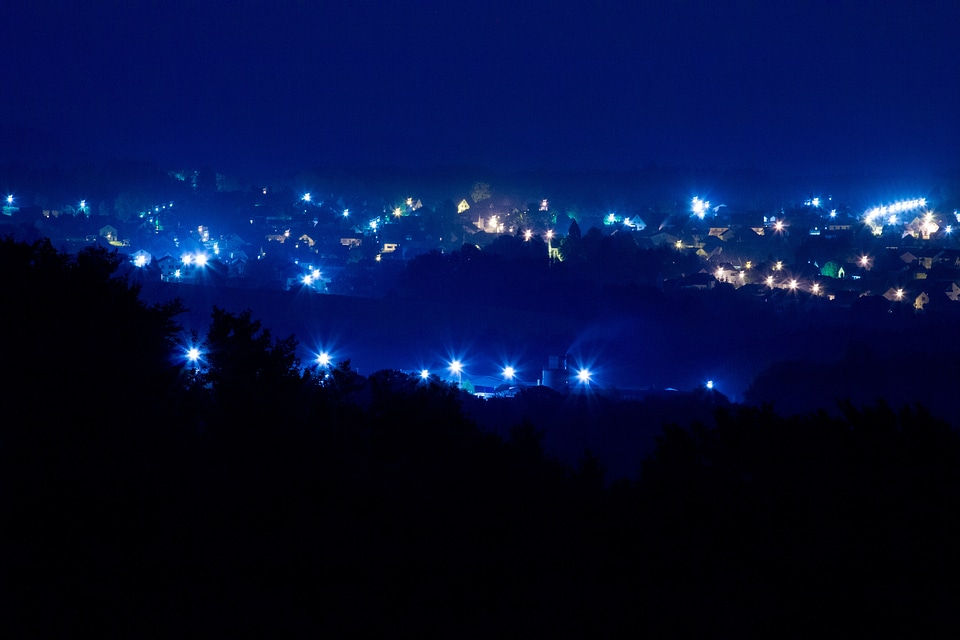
(141, 258)
(169, 266)
(110, 233)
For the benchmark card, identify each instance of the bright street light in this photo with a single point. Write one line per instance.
(457, 367)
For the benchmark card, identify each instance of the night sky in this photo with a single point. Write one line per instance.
(264, 87)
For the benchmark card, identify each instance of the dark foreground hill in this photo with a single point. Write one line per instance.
(147, 496)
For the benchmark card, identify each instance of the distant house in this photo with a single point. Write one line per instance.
(169, 267)
(711, 247)
(291, 275)
(462, 206)
(110, 233)
(953, 291)
(700, 281)
(662, 238)
(141, 258)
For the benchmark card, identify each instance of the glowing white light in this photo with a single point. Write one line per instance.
(699, 207)
(815, 202)
(201, 260)
(176, 273)
(193, 354)
(456, 367)
(323, 359)
(611, 218)
(424, 374)
(373, 224)
(141, 260)
(9, 199)
(889, 211)
(83, 204)
(509, 373)
(833, 213)
(306, 197)
(527, 234)
(346, 213)
(583, 375)
(709, 384)
(187, 258)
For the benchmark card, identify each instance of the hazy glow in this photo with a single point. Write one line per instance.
(193, 354)
(699, 207)
(527, 234)
(323, 359)
(424, 374)
(456, 367)
(201, 260)
(583, 375)
(9, 199)
(709, 384)
(141, 260)
(509, 373)
(306, 197)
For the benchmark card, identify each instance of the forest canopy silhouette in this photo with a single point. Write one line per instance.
(148, 495)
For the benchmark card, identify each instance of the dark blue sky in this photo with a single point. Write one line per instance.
(808, 87)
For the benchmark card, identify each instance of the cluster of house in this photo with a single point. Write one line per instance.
(910, 256)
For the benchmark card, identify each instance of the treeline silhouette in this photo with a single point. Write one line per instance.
(148, 496)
